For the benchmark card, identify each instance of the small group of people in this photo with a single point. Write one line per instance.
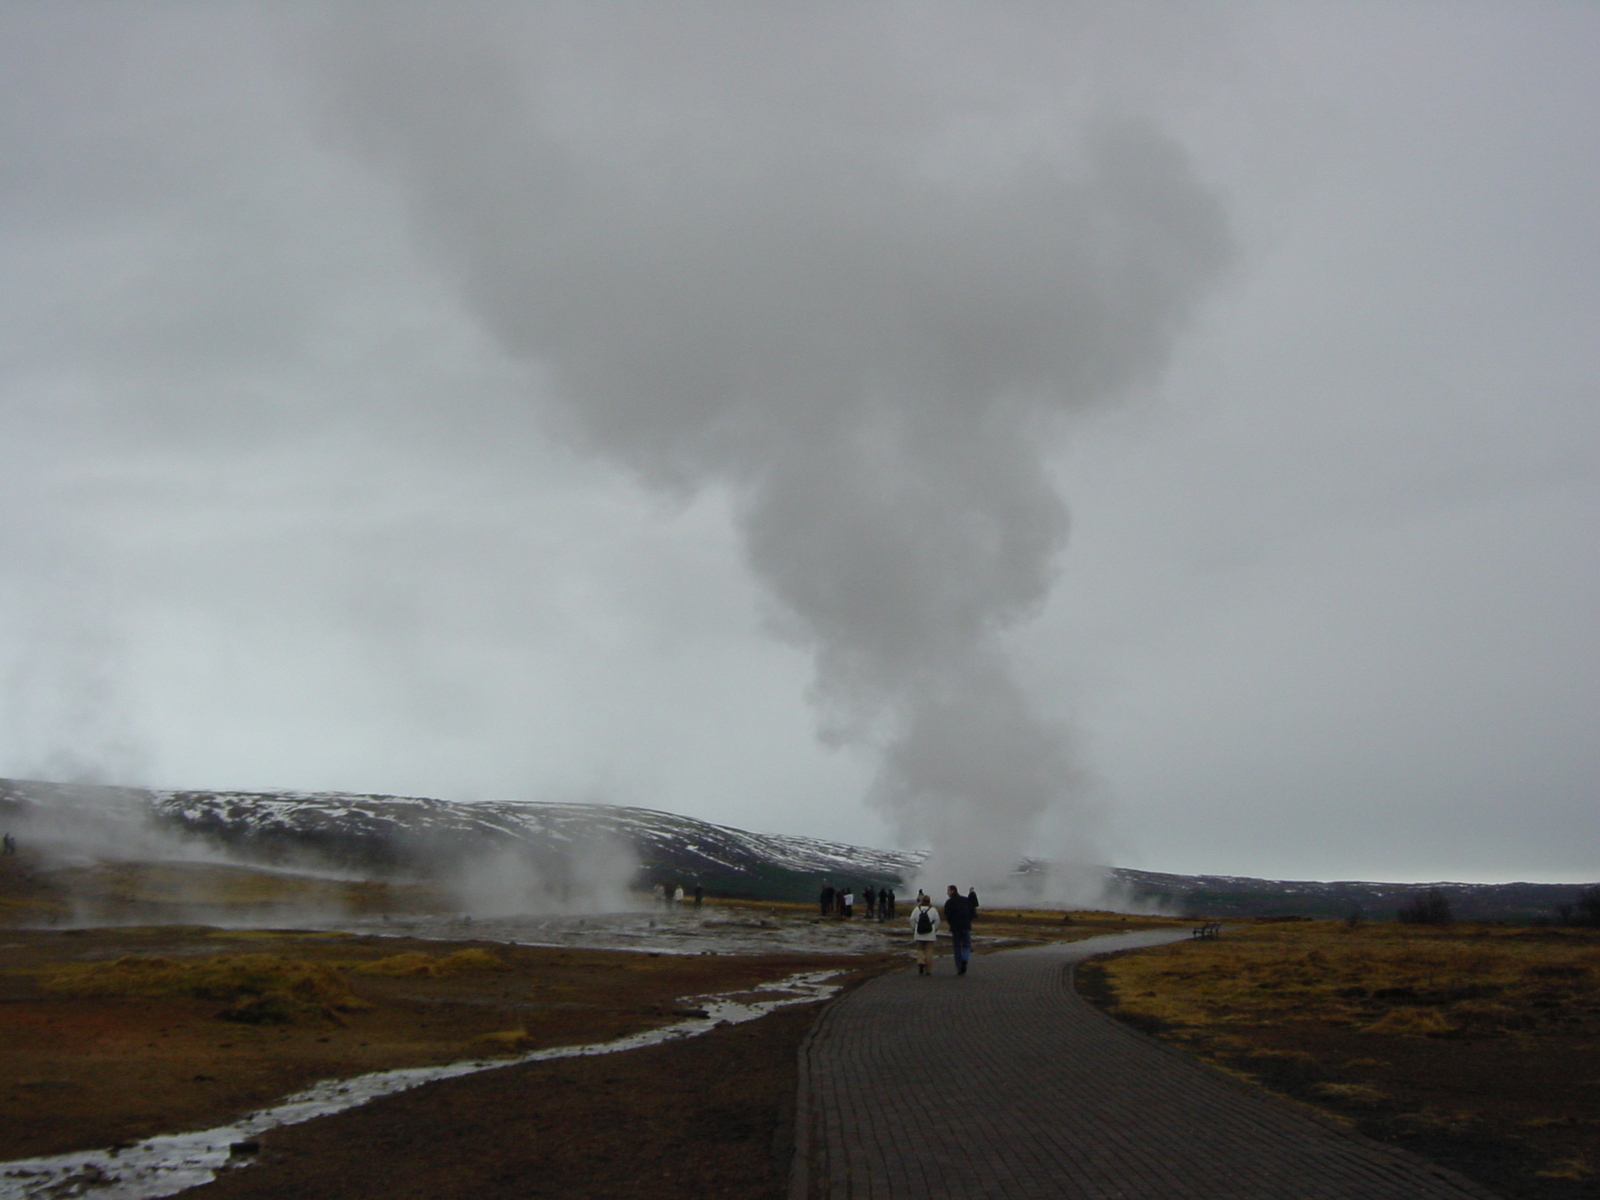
(877, 904)
(836, 902)
(880, 905)
(670, 896)
(959, 912)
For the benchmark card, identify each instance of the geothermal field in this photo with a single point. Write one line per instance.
(182, 1002)
(325, 994)
(273, 995)
(147, 1059)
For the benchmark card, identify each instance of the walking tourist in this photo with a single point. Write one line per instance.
(924, 933)
(959, 917)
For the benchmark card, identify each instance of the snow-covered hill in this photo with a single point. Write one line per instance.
(431, 837)
(561, 843)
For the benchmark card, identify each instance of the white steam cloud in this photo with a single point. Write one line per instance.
(590, 875)
(765, 252)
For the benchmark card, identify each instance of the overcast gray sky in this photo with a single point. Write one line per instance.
(1164, 434)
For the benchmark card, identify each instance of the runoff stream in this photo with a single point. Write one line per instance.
(166, 1165)
(163, 1166)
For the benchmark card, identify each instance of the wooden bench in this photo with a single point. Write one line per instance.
(1210, 929)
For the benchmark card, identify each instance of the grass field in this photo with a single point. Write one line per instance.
(1473, 1044)
(112, 1035)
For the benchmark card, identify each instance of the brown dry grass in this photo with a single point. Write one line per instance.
(1479, 980)
(435, 966)
(36, 891)
(311, 985)
(112, 1035)
(1475, 1044)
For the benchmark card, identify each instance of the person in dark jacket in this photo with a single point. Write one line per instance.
(825, 901)
(958, 916)
(972, 901)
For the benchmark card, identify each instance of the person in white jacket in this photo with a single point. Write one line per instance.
(924, 932)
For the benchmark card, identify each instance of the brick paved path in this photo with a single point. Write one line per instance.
(1004, 1083)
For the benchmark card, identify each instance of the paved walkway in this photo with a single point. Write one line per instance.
(1004, 1083)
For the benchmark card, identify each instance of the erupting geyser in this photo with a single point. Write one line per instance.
(831, 303)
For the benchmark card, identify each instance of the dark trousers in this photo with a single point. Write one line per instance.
(961, 947)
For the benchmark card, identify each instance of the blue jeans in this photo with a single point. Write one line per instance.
(961, 947)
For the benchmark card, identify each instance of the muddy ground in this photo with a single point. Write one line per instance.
(84, 1071)
(110, 1035)
(712, 1116)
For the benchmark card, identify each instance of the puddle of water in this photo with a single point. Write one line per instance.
(163, 1166)
(680, 931)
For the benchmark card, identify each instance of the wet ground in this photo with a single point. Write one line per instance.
(746, 930)
(110, 1038)
(104, 1075)
(165, 1165)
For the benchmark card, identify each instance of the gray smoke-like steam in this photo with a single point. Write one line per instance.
(764, 250)
(593, 875)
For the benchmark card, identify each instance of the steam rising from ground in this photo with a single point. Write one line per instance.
(109, 850)
(800, 255)
(112, 864)
(73, 825)
(592, 876)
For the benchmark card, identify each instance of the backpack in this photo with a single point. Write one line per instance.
(924, 925)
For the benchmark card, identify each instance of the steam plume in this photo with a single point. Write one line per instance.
(756, 249)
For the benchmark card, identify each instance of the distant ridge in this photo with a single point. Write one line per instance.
(421, 836)
(1237, 896)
